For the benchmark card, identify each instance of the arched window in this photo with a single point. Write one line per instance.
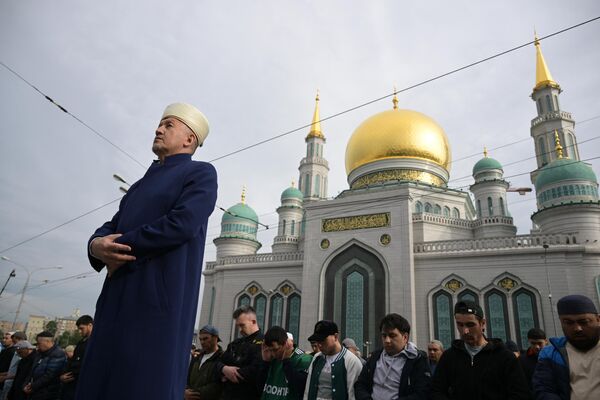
(283, 223)
(310, 150)
(497, 317)
(542, 147)
(428, 208)
(490, 207)
(525, 310)
(276, 311)
(556, 107)
(568, 149)
(307, 185)
(293, 228)
(548, 103)
(479, 208)
(469, 295)
(260, 306)
(244, 300)
(455, 213)
(446, 211)
(539, 104)
(318, 185)
(443, 321)
(354, 299)
(502, 210)
(437, 209)
(213, 293)
(418, 207)
(293, 315)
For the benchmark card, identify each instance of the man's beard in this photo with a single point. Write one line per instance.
(585, 344)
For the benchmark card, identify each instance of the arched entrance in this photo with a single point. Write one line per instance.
(355, 295)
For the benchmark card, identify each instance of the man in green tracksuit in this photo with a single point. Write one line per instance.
(284, 371)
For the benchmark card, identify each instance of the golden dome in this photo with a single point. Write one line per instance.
(397, 134)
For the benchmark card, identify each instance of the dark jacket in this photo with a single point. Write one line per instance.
(203, 379)
(23, 372)
(551, 377)
(67, 390)
(163, 218)
(6, 356)
(528, 361)
(493, 374)
(45, 374)
(244, 353)
(415, 380)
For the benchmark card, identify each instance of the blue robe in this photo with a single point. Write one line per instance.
(145, 315)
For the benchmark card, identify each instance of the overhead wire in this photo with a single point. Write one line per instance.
(421, 83)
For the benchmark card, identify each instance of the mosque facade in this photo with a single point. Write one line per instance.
(400, 240)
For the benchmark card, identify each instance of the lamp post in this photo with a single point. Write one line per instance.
(29, 273)
(11, 275)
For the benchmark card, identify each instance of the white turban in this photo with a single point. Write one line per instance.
(191, 116)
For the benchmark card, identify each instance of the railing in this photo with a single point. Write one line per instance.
(441, 219)
(285, 239)
(256, 258)
(550, 116)
(512, 242)
(492, 221)
(315, 160)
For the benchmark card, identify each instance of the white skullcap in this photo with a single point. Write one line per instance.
(191, 116)
(290, 336)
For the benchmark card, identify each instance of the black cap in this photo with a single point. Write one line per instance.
(322, 330)
(575, 304)
(536, 334)
(511, 346)
(468, 307)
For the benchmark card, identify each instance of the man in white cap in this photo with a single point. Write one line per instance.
(152, 249)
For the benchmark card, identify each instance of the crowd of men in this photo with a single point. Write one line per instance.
(44, 371)
(270, 366)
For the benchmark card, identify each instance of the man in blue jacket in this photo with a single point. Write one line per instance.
(398, 371)
(569, 369)
(152, 249)
(44, 381)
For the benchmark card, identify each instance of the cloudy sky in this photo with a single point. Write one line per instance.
(253, 68)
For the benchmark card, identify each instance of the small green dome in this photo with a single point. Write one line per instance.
(486, 163)
(240, 210)
(292, 192)
(564, 169)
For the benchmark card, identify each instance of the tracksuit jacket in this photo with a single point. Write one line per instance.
(551, 377)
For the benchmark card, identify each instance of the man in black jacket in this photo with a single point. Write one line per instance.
(399, 370)
(537, 341)
(27, 352)
(476, 367)
(240, 363)
(202, 382)
(68, 379)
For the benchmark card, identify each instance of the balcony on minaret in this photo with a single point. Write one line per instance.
(553, 115)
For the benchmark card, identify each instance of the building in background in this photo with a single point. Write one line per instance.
(400, 240)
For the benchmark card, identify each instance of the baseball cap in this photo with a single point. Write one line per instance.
(211, 330)
(349, 343)
(322, 330)
(24, 344)
(468, 307)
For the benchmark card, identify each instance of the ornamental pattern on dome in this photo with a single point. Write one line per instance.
(399, 175)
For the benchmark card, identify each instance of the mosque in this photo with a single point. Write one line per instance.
(400, 240)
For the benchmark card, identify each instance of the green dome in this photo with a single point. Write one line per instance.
(242, 211)
(292, 192)
(564, 169)
(486, 163)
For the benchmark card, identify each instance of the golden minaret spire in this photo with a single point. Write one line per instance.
(542, 73)
(315, 126)
(558, 148)
(485, 152)
(395, 98)
(244, 194)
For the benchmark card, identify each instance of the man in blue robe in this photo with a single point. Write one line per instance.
(153, 249)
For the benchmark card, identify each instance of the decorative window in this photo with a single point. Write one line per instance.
(307, 185)
(437, 209)
(418, 207)
(446, 211)
(276, 310)
(355, 287)
(539, 104)
(443, 319)
(293, 316)
(468, 295)
(548, 103)
(318, 185)
(260, 306)
(571, 191)
(455, 213)
(496, 311)
(293, 228)
(490, 206)
(428, 208)
(244, 300)
(310, 150)
(525, 315)
(556, 107)
(502, 210)
(479, 208)
(283, 226)
(542, 146)
(553, 193)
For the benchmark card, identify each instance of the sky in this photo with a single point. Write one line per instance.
(253, 68)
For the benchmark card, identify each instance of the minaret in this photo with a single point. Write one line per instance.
(314, 168)
(489, 189)
(290, 221)
(550, 117)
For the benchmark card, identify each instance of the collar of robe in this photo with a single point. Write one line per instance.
(175, 159)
